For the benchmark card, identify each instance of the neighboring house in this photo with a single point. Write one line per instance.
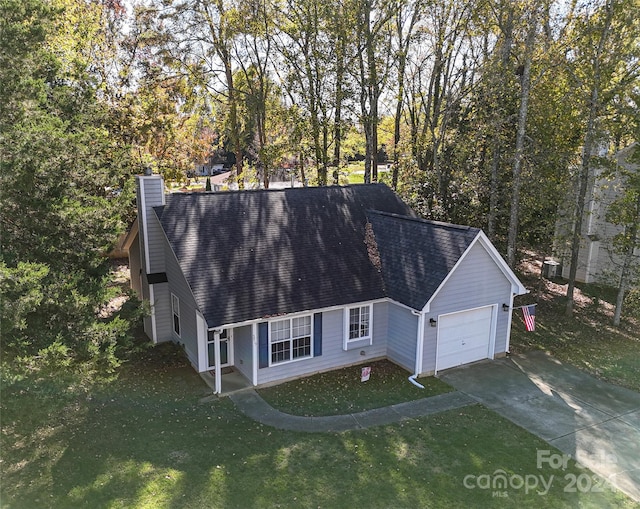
(284, 283)
(597, 261)
(214, 165)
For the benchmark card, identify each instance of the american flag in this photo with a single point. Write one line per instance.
(529, 313)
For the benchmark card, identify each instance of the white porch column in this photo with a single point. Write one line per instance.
(216, 343)
(254, 356)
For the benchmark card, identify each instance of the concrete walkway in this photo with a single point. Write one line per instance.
(595, 422)
(251, 404)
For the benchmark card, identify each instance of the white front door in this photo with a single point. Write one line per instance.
(464, 337)
(226, 349)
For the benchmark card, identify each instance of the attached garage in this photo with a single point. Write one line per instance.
(465, 336)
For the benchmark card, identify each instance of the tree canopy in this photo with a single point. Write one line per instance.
(488, 112)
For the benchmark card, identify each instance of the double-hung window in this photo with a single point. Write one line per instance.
(175, 309)
(290, 339)
(359, 323)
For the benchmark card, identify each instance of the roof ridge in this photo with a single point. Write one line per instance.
(425, 221)
(277, 189)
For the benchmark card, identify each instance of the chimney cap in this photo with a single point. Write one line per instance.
(148, 171)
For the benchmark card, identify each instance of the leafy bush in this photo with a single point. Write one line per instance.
(632, 303)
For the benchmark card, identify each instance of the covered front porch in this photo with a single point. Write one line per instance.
(231, 381)
(227, 357)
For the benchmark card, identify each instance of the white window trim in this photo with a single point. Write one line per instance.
(369, 337)
(175, 300)
(290, 318)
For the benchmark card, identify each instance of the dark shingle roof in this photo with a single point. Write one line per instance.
(416, 255)
(254, 254)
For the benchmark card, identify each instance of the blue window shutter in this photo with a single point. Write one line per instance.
(317, 334)
(263, 345)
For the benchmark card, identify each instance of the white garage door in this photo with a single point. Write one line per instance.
(464, 337)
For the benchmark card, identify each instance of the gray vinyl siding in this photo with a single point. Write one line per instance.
(476, 282)
(402, 337)
(162, 308)
(153, 197)
(150, 194)
(243, 350)
(188, 323)
(144, 295)
(333, 355)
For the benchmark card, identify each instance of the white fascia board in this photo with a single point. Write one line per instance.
(131, 235)
(517, 287)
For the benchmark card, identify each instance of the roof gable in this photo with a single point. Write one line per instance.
(517, 288)
(417, 255)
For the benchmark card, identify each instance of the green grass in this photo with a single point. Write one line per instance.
(355, 178)
(342, 392)
(586, 340)
(152, 440)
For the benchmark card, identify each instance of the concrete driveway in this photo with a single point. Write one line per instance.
(597, 423)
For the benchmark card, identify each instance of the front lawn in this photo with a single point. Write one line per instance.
(151, 439)
(341, 391)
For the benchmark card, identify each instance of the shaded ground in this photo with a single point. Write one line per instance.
(587, 340)
(146, 440)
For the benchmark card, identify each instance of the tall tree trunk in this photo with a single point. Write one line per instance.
(303, 175)
(403, 49)
(396, 126)
(520, 137)
(505, 56)
(341, 30)
(402, 62)
(372, 100)
(627, 264)
(366, 119)
(337, 123)
(624, 275)
(233, 124)
(587, 149)
(493, 189)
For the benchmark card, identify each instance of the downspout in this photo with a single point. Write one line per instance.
(419, 348)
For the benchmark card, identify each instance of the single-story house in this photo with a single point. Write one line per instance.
(279, 284)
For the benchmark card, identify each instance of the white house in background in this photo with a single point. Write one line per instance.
(597, 260)
(279, 284)
(214, 165)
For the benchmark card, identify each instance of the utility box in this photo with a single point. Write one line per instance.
(551, 269)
